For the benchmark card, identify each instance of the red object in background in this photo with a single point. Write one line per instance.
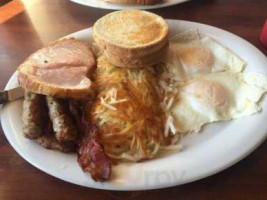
(263, 36)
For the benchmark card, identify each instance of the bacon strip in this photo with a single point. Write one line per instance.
(91, 155)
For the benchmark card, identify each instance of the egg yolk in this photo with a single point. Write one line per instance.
(196, 56)
(208, 93)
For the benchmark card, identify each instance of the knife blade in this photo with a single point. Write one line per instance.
(11, 95)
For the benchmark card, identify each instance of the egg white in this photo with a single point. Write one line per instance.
(203, 82)
(216, 96)
(190, 56)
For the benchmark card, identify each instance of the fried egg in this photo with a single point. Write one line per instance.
(189, 56)
(217, 96)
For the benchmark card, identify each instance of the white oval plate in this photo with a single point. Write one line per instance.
(217, 147)
(116, 6)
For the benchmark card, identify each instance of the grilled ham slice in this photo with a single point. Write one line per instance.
(62, 70)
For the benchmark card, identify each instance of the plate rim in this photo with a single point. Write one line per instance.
(201, 176)
(111, 6)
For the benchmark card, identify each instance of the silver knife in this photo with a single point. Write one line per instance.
(11, 95)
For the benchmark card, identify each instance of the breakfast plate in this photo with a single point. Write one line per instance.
(117, 6)
(215, 148)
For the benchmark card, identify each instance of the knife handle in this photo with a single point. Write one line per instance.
(3, 97)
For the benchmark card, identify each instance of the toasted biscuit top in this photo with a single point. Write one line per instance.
(131, 28)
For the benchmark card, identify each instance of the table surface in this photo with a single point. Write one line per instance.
(41, 21)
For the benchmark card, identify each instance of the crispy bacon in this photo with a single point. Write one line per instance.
(91, 155)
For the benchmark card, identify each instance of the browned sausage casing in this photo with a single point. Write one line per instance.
(32, 115)
(49, 141)
(63, 124)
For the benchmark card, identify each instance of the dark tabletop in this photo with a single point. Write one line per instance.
(40, 21)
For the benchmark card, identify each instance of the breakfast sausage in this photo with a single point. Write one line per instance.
(63, 124)
(32, 115)
(49, 141)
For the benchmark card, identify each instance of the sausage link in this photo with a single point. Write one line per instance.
(32, 115)
(49, 141)
(63, 124)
